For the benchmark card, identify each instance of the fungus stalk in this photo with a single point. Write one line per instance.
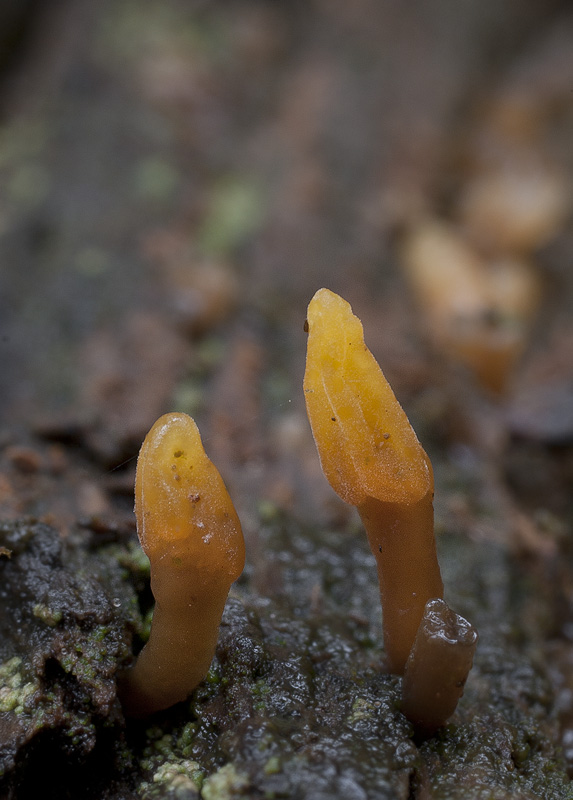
(190, 531)
(437, 667)
(374, 461)
(401, 538)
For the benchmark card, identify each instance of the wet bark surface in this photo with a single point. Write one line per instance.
(176, 181)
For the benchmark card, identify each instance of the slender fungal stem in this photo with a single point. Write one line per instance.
(401, 538)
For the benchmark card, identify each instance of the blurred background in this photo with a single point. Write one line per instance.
(178, 178)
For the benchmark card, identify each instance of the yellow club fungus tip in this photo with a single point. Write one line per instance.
(182, 506)
(367, 447)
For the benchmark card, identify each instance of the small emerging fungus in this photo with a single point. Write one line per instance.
(373, 460)
(438, 667)
(192, 536)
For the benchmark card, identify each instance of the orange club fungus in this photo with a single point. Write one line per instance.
(190, 531)
(373, 460)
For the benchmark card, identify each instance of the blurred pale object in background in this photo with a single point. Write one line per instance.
(478, 311)
(514, 210)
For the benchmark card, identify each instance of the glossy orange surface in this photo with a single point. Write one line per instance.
(366, 444)
(190, 531)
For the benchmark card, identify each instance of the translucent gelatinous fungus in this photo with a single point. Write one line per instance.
(190, 531)
(437, 667)
(372, 458)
